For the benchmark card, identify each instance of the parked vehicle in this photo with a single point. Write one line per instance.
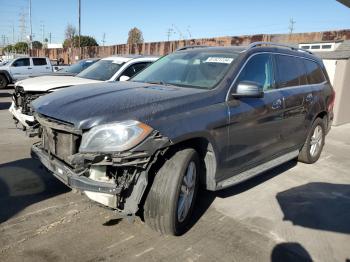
(23, 67)
(73, 69)
(112, 68)
(210, 116)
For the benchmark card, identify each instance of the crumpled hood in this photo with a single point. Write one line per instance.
(46, 83)
(86, 106)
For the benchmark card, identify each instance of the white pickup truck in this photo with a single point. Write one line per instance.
(23, 67)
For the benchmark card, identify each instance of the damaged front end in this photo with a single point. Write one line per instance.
(114, 179)
(21, 107)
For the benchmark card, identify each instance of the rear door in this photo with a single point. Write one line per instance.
(291, 79)
(40, 65)
(21, 68)
(254, 123)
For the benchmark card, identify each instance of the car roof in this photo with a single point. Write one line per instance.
(127, 58)
(265, 47)
(235, 49)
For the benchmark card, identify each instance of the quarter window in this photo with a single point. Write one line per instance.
(290, 71)
(314, 72)
(259, 70)
(39, 61)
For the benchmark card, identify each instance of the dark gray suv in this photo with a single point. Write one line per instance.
(210, 116)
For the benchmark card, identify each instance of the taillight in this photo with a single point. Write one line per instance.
(331, 101)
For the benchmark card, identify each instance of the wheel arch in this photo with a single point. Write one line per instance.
(7, 75)
(207, 154)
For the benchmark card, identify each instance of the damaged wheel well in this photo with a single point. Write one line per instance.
(206, 154)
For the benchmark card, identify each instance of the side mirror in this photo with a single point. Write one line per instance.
(124, 78)
(249, 89)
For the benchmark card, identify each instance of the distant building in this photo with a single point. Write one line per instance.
(336, 58)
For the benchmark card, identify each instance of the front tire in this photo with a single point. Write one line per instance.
(314, 143)
(3, 81)
(169, 204)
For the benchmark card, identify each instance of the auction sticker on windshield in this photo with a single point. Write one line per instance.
(223, 60)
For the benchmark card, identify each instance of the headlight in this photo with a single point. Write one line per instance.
(114, 137)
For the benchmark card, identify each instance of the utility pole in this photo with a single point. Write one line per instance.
(50, 37)
(30, 24)
(291, 25)
(13, 33)
(43, 32)
(179, 32)
(189, 31)
(79, 28)
(103, 39)
(169, 33)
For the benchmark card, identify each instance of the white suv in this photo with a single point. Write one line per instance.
(23, 67)
(113, 68)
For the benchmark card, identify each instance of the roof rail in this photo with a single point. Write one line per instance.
(255, 44)
(190, 47)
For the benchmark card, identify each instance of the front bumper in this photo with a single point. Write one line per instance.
(70, 178)
(25, 120)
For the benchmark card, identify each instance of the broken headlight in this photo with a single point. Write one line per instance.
(114, 137)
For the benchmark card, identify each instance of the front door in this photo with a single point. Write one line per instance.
(21, 68)
(255, 124)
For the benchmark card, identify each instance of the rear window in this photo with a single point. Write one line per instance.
(290, 71)
(314, 72)
(39, 61)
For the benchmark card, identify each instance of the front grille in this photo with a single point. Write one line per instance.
(18, 96)
(58, 141)
(23, 99)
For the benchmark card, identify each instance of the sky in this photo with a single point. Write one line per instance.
(184, 19)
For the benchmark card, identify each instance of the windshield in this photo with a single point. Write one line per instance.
(102, 70)
(189, 69)
(78, 67)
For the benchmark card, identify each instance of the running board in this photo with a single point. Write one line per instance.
(236, 179)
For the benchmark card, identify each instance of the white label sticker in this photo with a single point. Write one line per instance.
(223, 60)
(117, 62)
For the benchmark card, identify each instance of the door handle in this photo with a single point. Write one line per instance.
(309, 97)
(29, 68)
(277, 104)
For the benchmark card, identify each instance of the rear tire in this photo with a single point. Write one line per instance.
(170, 201)
(314, 143)
(3, 81)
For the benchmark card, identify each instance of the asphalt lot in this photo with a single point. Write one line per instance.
(295, 212)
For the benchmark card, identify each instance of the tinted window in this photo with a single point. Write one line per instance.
(21, 62)
(314, 72)
(258, 69)
(39, 61)
(290, 71)
(134, 69)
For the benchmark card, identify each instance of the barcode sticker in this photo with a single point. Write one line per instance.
(222, 60)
